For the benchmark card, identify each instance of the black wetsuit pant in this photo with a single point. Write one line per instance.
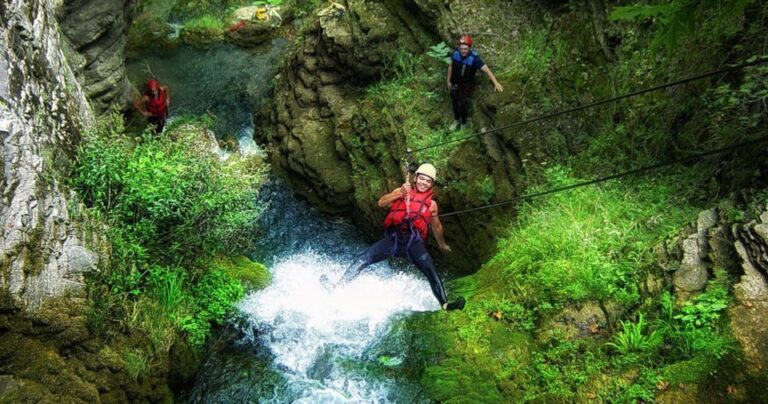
(407, 245)
(460, 94)
(158, 122)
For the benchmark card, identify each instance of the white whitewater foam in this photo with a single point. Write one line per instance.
(304, 319)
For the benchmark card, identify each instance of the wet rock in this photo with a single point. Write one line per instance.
(752, 285)
(695, 267)
(316, 95)
(580, 321)
(97, 30)
(707, 218)
(80, 260)
(751, 330)
(249, 34)
(44, 255)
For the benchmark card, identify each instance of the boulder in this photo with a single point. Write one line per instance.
(695, 267)
(577, 321)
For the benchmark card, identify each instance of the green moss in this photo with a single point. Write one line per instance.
(253, 275)
(691, 371)
(203, 31)
(148, 31)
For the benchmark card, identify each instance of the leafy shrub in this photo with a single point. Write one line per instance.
(633, 339)
(704, 309)
(440, 52)
(696, 329)
(171, 206)
(678, 19)
(215, 295)
(169, 200)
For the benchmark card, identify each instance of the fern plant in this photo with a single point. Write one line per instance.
(633, 340)
(440, 52)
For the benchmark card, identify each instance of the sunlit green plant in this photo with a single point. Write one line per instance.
(635, 339)
(566, 248)
(440, 52)
(704, 309)
(136, 364)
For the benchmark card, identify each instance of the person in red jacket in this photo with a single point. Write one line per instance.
(412, 211)
(154, 105)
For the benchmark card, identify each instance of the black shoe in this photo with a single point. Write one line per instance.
(457, 305)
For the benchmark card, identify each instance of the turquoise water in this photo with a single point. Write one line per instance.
(224, 81)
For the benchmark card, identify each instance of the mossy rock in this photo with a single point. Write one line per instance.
(183, 364)
(249, 34)
(464, 357)
(253, 275)
(149, 32)
(203, 31)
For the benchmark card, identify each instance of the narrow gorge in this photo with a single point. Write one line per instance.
(610, 239)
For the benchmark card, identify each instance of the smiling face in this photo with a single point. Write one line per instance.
(424, 183)
(464, 50)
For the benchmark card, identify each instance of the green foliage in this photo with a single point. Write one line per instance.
(440, 52)
(590, 243)
(136, 364)
(205, 23)
(390, 361)
(704, 309)
(560, 368)
(680, 18)
(214, 296)
(168, 200)
(168, 286)
(633, 339)
(267, 2)
(171, 207)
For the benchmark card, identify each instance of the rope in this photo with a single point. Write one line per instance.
(611, 177)
(754, 62)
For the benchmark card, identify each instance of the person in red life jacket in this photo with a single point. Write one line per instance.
(154, 104)
(465, 63)
(412, 211)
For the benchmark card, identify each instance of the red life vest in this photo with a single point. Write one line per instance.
(420, 215)
(156, 105)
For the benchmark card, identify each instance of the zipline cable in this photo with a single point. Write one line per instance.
(611, 177)
(754, 62)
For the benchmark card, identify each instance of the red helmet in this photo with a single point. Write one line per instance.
(465, 39)
(153, 85)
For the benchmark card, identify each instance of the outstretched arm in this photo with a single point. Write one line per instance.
(386, 200)
(496, 85)
(437, 228)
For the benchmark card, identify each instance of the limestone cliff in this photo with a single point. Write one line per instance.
(42, 113)
(47, 353)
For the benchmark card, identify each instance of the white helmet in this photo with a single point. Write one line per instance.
(427, 169)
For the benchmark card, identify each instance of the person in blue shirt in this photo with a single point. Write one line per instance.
(465, 63)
